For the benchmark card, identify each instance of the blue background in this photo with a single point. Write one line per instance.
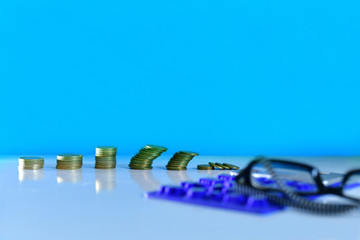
(217, 77)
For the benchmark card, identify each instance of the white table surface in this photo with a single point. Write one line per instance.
(109, 204)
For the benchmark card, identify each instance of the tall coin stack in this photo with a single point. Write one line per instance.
(105, 157)
(69, 161)
(144, 158)
(31, 163)
(180, 160)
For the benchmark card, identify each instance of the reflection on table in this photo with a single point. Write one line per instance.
(145, 179)
(213, 173)
(105, 179)
(73, 176)
(26, 174)
(178, 176)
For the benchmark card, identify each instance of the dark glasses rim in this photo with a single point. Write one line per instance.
(245, 175)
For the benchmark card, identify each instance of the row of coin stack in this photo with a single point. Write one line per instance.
(105, 158)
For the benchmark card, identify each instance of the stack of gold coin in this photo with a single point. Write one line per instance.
(105, 157)
(144, 158)
(69, 161)
(222, 166)
(180, 160)
(31, 162)
(205, 167)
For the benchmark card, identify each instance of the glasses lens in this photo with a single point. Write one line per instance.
(352, 186)
(295, 177)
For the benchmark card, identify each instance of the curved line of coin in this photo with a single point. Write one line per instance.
(105, 158)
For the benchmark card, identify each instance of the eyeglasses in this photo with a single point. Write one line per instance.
(269, 174)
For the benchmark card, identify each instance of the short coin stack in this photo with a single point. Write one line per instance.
(221, 166)
(69, 161)
(105, 157)
(205, 167)
(180, 160)
(144, 158)
(31, 163)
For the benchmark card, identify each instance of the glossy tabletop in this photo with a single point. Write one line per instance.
(110, 204)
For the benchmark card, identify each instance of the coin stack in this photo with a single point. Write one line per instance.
(205, 167)
(220, 166)
(144, 158)
(105, 157)
(180, 160)
(223, 166)
(69, 161)
(31, 163)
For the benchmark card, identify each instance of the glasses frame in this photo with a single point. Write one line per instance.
(244, 177)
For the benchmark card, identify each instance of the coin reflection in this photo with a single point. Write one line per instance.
(145, 179)
(105, 179)
(178, 176)
(26, 174)
(73, 176)
(212, 173)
